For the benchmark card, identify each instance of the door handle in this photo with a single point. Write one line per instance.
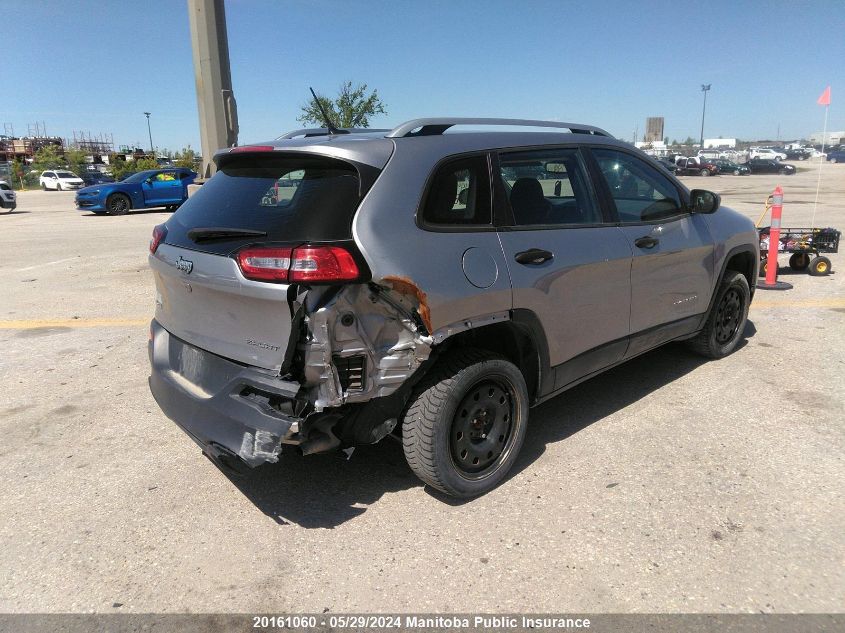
(534, 256)
(646, 242)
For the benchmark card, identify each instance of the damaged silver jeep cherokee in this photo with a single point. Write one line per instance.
(328, 289)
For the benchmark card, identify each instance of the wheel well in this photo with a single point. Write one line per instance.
(744, 263)
(511, 340)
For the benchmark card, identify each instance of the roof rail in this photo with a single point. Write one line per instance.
(435, 126)
(321, 131)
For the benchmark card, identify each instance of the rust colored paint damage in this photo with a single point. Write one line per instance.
(404, 285)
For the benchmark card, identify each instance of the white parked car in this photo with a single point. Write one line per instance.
(60, 180)
(8, 199)
(766, 152)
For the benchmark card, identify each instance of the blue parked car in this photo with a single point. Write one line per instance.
(836, 156)
(153, 188)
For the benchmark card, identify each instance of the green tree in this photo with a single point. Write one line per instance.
(121, 168)
(352, 107)
(76, 160)
(48, 157)
(186, 158)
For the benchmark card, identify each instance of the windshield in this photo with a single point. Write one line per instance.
(139, 177)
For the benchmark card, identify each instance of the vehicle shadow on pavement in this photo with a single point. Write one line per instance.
(324, 491)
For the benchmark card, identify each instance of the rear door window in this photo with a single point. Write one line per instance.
(293, 199)
(548, 187)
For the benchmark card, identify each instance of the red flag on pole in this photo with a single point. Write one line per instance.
(825, 98)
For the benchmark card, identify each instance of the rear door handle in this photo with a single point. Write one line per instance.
(534, 256)
(646, 242)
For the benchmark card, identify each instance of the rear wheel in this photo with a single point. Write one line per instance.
(704, 172)
(784, 172)
(59, 187)
(832, 160)
(819, 266)
(736, 172)
(117, 204)
(799, 261)
(726, 321)
(466, 422)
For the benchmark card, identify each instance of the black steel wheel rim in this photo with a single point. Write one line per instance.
(483, 428)
(728, 315)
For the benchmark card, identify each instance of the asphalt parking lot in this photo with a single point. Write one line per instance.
(668, 484)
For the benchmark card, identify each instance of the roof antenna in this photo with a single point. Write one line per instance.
(329, 125)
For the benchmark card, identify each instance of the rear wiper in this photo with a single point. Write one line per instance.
(221, 233)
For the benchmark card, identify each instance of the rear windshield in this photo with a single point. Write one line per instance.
(290, 198)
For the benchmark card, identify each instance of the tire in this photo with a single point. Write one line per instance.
(737, 172)
(799, 261)
(819, 266)
(59, 187)
(466, 422)
(832, 160)
(43, 186)
(118, 204)
(784, 172)
(704, 172)
(725, 324)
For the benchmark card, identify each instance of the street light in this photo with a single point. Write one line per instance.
(152, 151)
(704, 89)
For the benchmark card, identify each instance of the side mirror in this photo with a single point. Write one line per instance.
(703, 201)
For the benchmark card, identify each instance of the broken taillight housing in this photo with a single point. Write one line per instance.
(159, 233)
(304, 264)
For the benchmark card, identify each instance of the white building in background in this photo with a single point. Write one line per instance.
(833, 138)
(655, 148)
(718, 143)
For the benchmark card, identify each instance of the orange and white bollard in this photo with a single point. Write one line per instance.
(771, 282)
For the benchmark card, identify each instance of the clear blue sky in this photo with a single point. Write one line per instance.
(97, 66)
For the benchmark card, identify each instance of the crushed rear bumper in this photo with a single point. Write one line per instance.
(229, 409)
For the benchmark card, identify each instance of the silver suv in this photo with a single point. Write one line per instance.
(325, 290)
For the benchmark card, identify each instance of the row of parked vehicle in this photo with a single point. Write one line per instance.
(99, 193)
(699, 166)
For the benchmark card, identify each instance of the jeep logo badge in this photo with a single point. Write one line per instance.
(184, 265)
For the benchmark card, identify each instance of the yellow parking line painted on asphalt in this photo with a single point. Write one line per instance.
(32, 324)
(797, 303)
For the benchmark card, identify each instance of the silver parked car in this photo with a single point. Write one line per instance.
(325, 290)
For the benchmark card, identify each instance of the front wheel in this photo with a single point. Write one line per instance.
(726, 321)
(117, 204)
(59, 187)
(466, 422)
(736, 172)
(832, 160)
(819, 266)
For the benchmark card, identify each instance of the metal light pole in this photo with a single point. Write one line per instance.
(704, 89)
(152, 151)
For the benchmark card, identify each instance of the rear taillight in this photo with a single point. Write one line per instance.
(159, 233)
(306, 264)
(323, 263)
(265, 264)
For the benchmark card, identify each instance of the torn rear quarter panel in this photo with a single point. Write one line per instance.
(373, 325)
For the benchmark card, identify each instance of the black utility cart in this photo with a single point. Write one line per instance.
(806, 246)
